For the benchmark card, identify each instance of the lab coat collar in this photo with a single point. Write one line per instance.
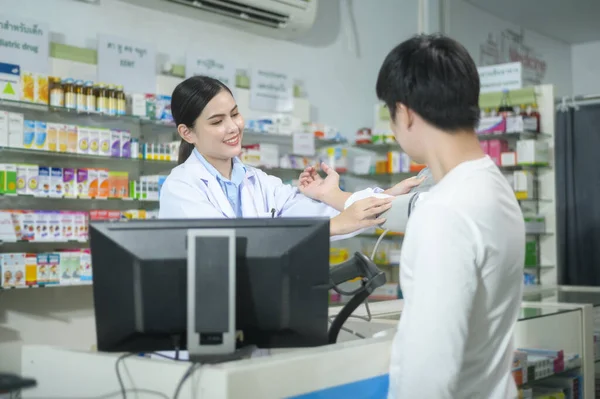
(194, 163)
(215, 192)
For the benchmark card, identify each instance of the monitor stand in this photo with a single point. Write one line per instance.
(211, 288)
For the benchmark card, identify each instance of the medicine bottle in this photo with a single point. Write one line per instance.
(80, 96)
(57, 94)
(70, 97)
(121, 101)
(112, 100)
(90, 96)
(101, 99)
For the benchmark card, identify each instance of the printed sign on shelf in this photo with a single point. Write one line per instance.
(128, 63)
(211, 67)
(501, 77)
(271, 91)
(25, 43)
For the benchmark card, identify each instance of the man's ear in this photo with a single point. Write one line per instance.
(405, 115)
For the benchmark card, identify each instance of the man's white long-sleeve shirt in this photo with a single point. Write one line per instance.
(461, 274)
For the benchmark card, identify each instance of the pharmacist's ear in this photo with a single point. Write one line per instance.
(186, 133)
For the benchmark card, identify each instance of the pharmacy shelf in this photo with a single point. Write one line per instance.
(523, 167)
(39, 155)
(383, 177)
(40, 246)
(514, 136)
(383, 147)
(27, 202)
(77, 284)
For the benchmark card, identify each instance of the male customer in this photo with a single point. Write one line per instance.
(462, 257)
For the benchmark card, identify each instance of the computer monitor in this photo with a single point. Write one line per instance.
(140, 276)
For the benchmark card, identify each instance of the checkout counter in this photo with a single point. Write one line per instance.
(558, 318)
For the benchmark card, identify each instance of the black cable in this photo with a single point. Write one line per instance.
(187, 375)
(118, 371)
(344, 314)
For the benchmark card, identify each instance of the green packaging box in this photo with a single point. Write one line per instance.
(8, 179)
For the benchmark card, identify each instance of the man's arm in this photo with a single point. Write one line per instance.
(428, 349)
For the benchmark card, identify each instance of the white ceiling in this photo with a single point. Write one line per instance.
(571, 21)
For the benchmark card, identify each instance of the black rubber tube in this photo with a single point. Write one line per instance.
(344, 314)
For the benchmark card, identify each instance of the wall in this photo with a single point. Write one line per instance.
(586, 58)
(340, 84)
(338, 73)
(473, 26)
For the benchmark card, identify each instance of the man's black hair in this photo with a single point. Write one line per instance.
(435, 77)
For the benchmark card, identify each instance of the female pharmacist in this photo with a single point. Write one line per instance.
(211, 182)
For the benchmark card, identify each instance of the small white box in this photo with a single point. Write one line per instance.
(508, 159)
(523, 184)
(15, 130)
(269, 156)
(32, 180)
(3, 129)
(41, 136)
(533, 152)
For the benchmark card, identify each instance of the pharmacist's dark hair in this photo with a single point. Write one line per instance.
(187, 103)
(435, 77)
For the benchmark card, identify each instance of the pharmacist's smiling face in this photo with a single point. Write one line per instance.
(219, 128)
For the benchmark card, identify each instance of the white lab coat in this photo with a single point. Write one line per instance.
(192, 192)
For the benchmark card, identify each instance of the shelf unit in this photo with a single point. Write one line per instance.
(142, 129)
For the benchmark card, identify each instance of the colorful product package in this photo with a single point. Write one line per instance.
(67, 225)
(52, 136)
(66, 274)
(72, 139)
(83, 137)
(125, 144)
(41, 136)
(83, 183)
(28, 134)
(31, 269)
(43, 268)
(28, 226)
(63, 138)
(104, 142)
(21, 179)
(32, 185)
(41, 226)
(86, 265)
(93, 183)
(43, 181)
(115, 143)
(54, 226)
(53, 268)
(69, 183)
(94, 141)
(103, 183)
(56, 183)
(8, 175)
(17, 268)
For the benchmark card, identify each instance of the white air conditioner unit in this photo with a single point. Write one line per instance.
(283, 19)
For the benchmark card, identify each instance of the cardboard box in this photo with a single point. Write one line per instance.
(41, 136)
(3, 129)
(83, 137)
(104, 142)
(52, 136)
(28, 135)
(533, 152)
(10, 82)
(56, 183)
(72, 139)
(15, 129)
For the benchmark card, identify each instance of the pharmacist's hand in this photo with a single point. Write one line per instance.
(360, 215)
(405, 186)
(315, 187)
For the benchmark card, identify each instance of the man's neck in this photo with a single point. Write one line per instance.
(450, 150)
